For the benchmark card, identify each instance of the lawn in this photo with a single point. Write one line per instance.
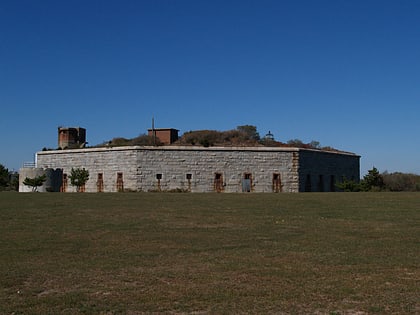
(135, 253)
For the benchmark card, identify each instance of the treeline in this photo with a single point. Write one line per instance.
(375, 181)
(401, 181)
(8, 180)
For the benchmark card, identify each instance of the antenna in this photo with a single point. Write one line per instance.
(153, 131)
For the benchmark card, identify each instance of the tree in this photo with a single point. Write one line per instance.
(250, 131)
(35, 182)
(14, 181)
(315, 144)
(373, 180)
(295, 143)
(78, 177)
(4, 177)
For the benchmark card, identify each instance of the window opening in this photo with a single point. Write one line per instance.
(158, 177)
(189, 177)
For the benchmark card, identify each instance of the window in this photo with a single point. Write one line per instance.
(189, 177)
(159, 177)
(120, 182)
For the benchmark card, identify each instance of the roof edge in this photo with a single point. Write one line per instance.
(191, 148)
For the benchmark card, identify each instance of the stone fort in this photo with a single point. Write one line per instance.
(196, 169)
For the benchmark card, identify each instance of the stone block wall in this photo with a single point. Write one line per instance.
(108, 162)
(170, 168)
(199, 169)
(195, 169)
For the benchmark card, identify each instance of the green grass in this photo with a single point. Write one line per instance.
(131, 253)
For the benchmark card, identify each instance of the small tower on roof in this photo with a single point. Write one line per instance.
(71, 137)
(269, 136)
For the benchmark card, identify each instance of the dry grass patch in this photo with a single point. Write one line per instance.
(209, 253)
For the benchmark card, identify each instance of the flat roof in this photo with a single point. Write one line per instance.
(190, 148)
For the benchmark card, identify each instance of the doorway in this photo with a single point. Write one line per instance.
(247, 182)
(120, 182)
(100, 182)
(276, 183)
(218, 182)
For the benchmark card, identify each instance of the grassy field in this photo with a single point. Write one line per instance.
(132, 253)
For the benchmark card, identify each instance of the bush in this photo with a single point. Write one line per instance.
(401, 181)
(145, 140)
(348, 185)
(374, 181)
(141, 140)
(78, 178)
(243, 135)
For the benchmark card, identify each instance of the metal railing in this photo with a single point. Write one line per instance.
(29, 164)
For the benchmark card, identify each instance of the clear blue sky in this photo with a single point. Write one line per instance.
(344, 73)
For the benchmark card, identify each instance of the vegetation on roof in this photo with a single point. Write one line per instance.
(141, 140)
(245, 136)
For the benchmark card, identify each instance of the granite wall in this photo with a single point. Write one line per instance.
(199, 169)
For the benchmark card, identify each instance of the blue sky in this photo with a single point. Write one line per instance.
(344, 73)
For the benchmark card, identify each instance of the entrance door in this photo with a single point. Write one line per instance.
(247, 182)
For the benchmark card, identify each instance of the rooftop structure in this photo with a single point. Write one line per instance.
(73, 137)
(165, 135)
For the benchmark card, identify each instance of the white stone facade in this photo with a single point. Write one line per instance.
(199, 169)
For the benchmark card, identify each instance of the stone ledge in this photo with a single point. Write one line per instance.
(191, 148)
